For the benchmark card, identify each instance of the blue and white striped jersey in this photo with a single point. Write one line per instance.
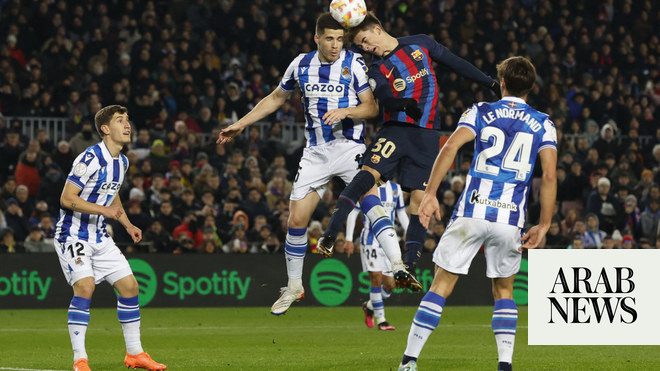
(508, 136)
(391, 197)
(326, 86)
(99, 176)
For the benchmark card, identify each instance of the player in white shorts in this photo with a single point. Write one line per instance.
(373, 257)
(336, 97)
(87, 254)
(492, 208)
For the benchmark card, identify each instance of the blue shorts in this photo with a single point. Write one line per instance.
(404, 151)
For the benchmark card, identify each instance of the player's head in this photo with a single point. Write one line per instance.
(368, 35)
(517, 75)
(329, 37)
(112, 121)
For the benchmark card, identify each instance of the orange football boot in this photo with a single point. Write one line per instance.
(143, 360)
(81, 365)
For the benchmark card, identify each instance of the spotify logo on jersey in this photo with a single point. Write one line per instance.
(146, 278)
(331, 282)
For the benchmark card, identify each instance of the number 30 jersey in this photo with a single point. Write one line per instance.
(508, 136)
(99, 177)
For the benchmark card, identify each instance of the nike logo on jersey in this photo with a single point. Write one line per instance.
(389, 73)
(425, 184)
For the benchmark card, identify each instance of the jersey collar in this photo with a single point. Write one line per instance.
(514, 99)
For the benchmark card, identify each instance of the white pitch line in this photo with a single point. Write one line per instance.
(26, 369)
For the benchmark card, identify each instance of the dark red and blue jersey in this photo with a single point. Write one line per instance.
(407, 72)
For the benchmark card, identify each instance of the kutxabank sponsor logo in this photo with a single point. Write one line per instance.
(331, 282)
(593, 297)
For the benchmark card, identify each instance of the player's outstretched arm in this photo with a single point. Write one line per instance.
(368, 108)
(133, 231)
(533, 237)
(71, 200)
(429, 205)
(264, 108)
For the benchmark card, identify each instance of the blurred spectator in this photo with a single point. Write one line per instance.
(650, 220)
(8, 242)
(554, 239)
(159, 238)
(603, 204)
(593, 236)
(16, 220)
(85, 138)
(63, 156)
(35, 242)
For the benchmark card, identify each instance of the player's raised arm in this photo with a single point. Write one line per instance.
(547, 198)
(429, 205)
(441, 54)
(264, 108)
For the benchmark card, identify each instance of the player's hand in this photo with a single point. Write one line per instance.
(427, 208)
(411, 109)
(533, 237)
(334, 115)
(135, 233)
(113, 212)
(228, 133)
(349, 247)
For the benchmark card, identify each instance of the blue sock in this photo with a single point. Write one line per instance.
(360, 185)
(505, 320)
(415, 235)
(382, 228)
(425, 321)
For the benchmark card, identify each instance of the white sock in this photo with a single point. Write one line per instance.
(78, 316)
(128, 312)
(505, 320)
(295, 248)
(381, 226)
(425, 321)
(377, 304)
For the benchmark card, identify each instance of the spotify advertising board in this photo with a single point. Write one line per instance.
(36, 281)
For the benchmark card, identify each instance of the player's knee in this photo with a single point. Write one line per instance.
(127, 287)
(296, 222)
(84, 288)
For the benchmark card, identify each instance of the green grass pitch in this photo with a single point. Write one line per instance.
(307, 338)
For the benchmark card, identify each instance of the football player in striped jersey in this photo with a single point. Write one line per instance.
(87, 253)
(336, 98)
(491, 211)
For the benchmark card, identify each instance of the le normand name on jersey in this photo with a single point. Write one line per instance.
(514, 114)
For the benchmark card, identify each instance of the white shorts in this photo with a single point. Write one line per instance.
(104, 261)
(320, 163)
(374, 259)
(463, 238)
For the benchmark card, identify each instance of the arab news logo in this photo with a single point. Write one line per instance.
(146, 278)
(331, 282)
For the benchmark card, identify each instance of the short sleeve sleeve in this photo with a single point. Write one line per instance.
(549, 139)
(84, 166)
(360, 80)
(469, 119)
(288, 82)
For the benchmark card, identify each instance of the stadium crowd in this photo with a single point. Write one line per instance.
(187, 68)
